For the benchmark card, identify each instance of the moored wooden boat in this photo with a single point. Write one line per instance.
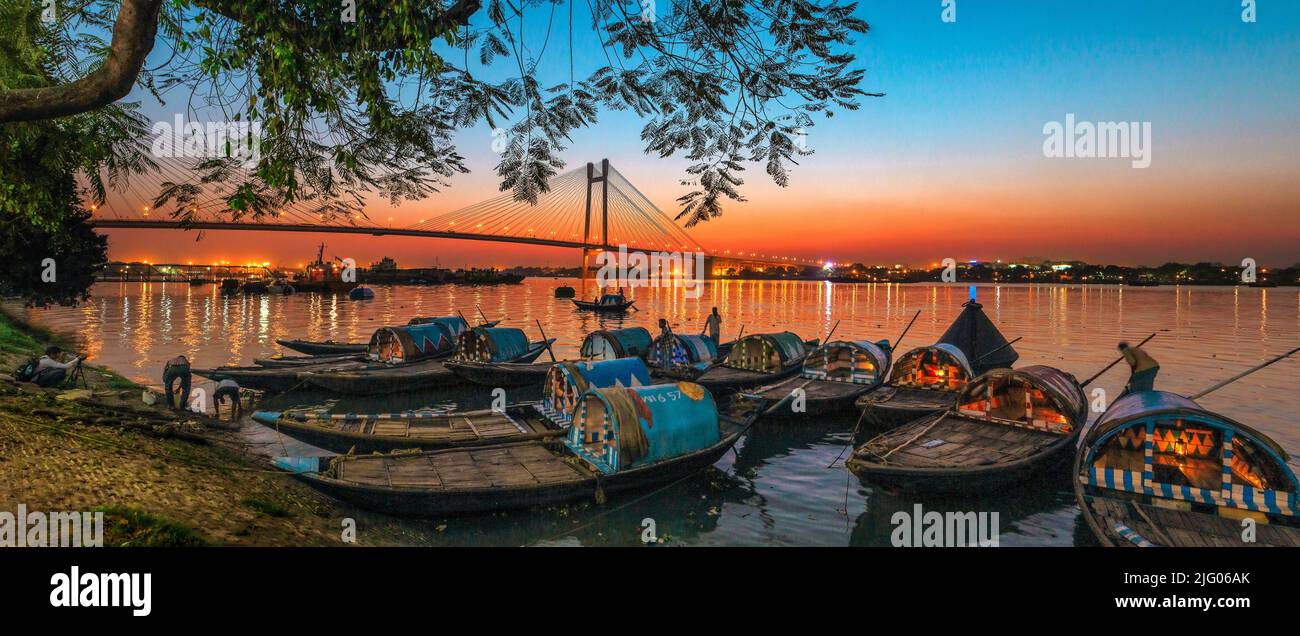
(754, 360)
(833, 376)
(327, 347)
(610, 302)
(622, 439)
(684, 354)
(924, 381)
(427, 430)
(1158, 469)
(502, 374)
(418, 359)
(1006, 426)
(299, 361)
(272, 379)
(607, 344)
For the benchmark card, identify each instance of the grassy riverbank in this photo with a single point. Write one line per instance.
(162, 480)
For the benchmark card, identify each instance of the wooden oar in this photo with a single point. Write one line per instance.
(1117, 361)
(1244, 374)
(832, 332)
(1004, 346)
(546, 341)
(906, 329)
(480, 315)
(462, 317)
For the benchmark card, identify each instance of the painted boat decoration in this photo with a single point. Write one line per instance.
(607, 344)
(1007, 425)
(684, 353)
(433, 339)
(382, 432)
(754, 360)
(833, 376)
(623, 438)
(1159, 469)
(567, 382)
(924, 381)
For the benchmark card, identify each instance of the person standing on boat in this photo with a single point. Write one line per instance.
(665, 343)
(1142, 368)
(177, 370)
(228, 389)
(713, 325)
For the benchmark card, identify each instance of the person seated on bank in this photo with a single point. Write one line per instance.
(1142, 369)
(228, 389)
(713, 325)
(51, 371)
(177, 370)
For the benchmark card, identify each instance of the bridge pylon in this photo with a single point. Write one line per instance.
(603, 180)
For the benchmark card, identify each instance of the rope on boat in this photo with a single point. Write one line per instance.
(937, 419)
(852, 436)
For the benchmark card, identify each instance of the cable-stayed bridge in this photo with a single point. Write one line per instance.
(592, 208)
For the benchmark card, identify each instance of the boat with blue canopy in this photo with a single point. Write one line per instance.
(489, 344)
(833, 376)
(1006, 426)
(1159, 469)
(622, 439)
(433, 339)
(567, 382)
(684, 353)
(924, 381)
(607, 344)
(754, 360)
(330, 347)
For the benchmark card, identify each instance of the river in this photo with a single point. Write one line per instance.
(776, 488)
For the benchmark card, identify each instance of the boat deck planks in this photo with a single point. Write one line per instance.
(1184, 528)
(965, 442)
(516, 465)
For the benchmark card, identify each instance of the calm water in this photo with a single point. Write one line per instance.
(776, 488)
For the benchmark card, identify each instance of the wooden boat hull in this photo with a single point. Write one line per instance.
(273, 379)
(369, 433)
(502, 374)
(301, 361)
(1167, 527)
(382, 379)
(891, 407)
(323, 348)
(962, 474)
(416, 501)
(821, 397)
(590, 306)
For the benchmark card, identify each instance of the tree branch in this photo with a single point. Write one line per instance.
(133, 39)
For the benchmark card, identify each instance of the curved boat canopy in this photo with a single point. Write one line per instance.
(412, 342)
(975, 335)
(682, 350)
(455, 324)
(942, 367)
(619, 428)
(1164, 446)
(1039, 397)
(567, 381)
(608, 344)
(766, 352)
(853, 361)
(611, 299)
(491, 344)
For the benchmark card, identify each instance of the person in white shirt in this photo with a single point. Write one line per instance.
(50, 371)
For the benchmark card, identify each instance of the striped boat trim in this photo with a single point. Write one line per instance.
(1237, 496)
(854, 378)
(1131, 535)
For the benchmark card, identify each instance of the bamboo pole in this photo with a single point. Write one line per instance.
(1117, 361)
(545, 341)
(1244, 374)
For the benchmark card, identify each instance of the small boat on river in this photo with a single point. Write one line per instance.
(606, 303)
(301, 361)
(622, 439)
(1006, 426)
(1159, 469)
(329, 347)
(605, 344)
(833, 376)
(754, 360)
(926, 380)
(273, 379)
